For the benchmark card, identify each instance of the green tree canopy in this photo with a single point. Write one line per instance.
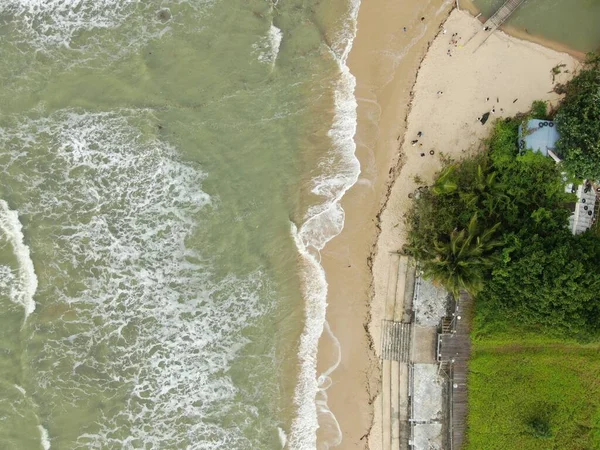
(495, 225)
(578, 121)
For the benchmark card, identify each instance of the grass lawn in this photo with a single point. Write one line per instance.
(534, 395)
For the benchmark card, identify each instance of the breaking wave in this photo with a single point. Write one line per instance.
(21, 283)
(340, 169)
(268, 47)
(137, 313)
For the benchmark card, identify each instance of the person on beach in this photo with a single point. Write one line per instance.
(414, 142)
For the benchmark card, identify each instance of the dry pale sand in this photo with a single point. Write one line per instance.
(385, 60)
(505, 74)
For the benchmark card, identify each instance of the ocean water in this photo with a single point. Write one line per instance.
(169, 172)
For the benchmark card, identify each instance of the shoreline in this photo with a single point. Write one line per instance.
(374, 204)
(384, 60)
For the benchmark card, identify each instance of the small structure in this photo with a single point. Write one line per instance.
(583, 215)
(541, 136)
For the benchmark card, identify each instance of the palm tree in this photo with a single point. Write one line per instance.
(461, 262)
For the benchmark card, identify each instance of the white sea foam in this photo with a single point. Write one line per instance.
(282, 437)
(267, 48)
(78, 25)
(154, 326)
(44, 438)
(325, 220)
(57, 22)
(25, 285)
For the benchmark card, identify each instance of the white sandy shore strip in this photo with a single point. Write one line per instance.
(454, 87)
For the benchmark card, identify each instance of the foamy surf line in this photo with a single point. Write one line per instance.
(27, 282)
(44, 439)
(323, 223)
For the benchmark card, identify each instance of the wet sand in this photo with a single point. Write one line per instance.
(385, 60)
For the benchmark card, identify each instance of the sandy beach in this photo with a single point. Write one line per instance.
(454, 86)
(384, 60)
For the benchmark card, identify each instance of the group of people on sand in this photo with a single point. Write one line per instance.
(453, 42)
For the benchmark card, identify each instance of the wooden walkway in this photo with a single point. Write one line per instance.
(494, 22)
(454, 350)
(500, 16)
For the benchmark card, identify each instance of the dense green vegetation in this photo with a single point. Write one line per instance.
(496, 225)
(578, 121)
(534, 395)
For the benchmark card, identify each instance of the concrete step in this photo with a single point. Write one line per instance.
(396, 341)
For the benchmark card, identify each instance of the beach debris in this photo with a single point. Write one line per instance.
(497, 100)
(493, 110)
(485, 118)
(439, 92)
(414, 142)
(487, 99)
(515, 100)
(444, 32)
(422, 19)
(422, 154)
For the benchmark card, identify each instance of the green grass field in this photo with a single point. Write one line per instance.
(534, 395)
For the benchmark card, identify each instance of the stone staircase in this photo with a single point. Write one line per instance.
(396, 339)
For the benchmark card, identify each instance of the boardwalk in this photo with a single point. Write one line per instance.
(494, 22)
(503, 13)
(454, 350)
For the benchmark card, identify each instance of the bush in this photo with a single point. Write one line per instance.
(539, 110)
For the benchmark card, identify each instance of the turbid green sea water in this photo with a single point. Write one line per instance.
(571, 22)
(169, 172)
